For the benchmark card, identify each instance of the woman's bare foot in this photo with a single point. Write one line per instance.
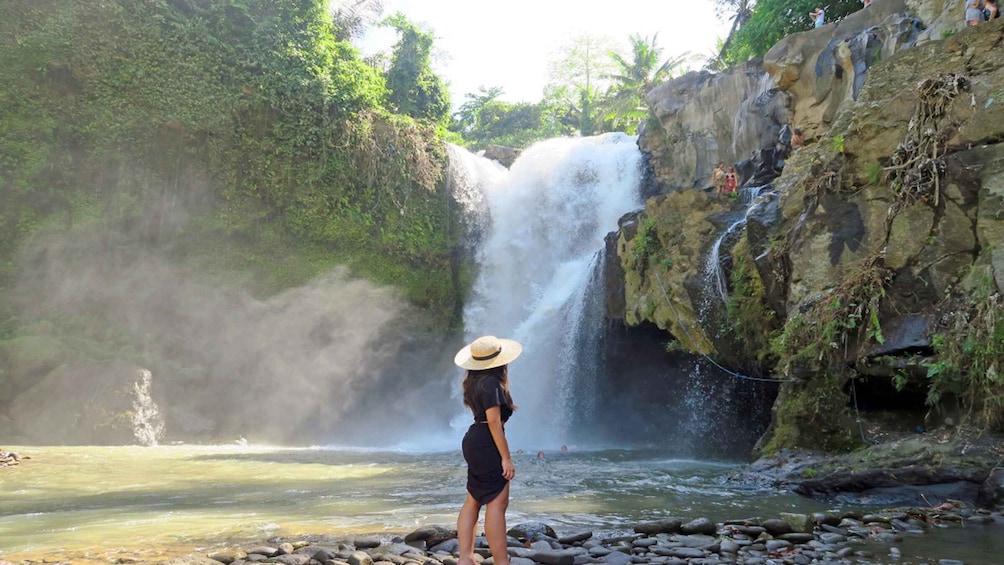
(467, 561)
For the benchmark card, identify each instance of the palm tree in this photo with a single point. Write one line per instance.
(352, 16)
(635, 78)
(743, 13)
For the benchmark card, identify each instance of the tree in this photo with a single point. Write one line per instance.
(625, 102)
(414, 89)
(771, 20)
(578, 76)
(484, 120)
(352, 16)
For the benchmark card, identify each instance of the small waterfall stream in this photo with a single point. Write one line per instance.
(548, 217)
(715, 270)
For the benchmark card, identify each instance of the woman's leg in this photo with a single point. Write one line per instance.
(466, 522)
(495, 530)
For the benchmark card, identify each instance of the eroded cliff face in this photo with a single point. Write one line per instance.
(880, 242)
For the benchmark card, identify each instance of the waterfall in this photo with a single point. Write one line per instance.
(147, 423)
(548, 217)
(714, 269)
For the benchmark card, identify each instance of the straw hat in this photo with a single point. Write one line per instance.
(487, 352)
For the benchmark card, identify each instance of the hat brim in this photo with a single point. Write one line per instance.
(510, 351)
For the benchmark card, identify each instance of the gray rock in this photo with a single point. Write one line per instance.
(291, 559)
(366, 543)
(541, 546)
(285, 548)
(520, 561)
(832, 538)
(191, 560)
(796, 537)
(686, 552)
(665, 526)
(265, 550)
(359, 558)
(616, 558)
(573, 538)
(599, 551)
(729, 546)
(448, 546)
(799, 522)
(776, 526)
(699, 526)
(529, 530)
(554, 557)
(774, 545)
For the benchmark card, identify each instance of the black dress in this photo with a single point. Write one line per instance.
(484, 462)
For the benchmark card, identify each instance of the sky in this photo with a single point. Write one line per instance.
(509, 44)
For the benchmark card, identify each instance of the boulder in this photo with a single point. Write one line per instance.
(705, 118)
(824, 69)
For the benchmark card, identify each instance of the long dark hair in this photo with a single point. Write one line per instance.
(472, 377)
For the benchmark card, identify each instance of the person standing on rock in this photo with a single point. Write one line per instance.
(818, 16)
(974, 12)
(489, 464)
(731, 181)
(718, 178)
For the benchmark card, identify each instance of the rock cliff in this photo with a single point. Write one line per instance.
(860, 274)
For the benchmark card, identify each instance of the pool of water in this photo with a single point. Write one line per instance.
(101, 503)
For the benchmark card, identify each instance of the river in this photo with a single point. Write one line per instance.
(110, 503)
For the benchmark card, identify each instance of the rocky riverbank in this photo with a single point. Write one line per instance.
(800, 539)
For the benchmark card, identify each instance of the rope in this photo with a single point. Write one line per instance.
(857, 413)
(693, 343)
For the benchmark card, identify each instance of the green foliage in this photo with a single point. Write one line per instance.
(578, 78)
(836, 144)
(750, 320)
(646, 243)
(772, 20)
(249, 119)
(838, 320)
(625, 103)
(414, 89)
(969, 360)
(484, 120)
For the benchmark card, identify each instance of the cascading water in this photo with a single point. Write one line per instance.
(147, 422)
(548, 218)
(714, 270)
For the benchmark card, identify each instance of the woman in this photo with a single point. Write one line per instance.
(489, 464)
(974, 12)
(731, 181)
(990, 11)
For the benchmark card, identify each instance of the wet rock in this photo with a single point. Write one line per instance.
(359, 558)
(554, 557)
(366, 542)
(431, 535)
(665, 526)
(573, 538)
(531, 530)
(777, 526)
(698, 526)
(265, 550)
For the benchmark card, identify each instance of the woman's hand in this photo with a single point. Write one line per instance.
(508, 469)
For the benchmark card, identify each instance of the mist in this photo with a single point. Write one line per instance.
(337, 360)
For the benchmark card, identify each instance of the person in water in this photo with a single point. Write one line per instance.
(489, 463)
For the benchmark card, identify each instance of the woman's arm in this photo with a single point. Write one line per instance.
(494, 417)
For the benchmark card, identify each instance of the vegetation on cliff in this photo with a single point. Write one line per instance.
(117, 113)
(759, 28)
(158, 155)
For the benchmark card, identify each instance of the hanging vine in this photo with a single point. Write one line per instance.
(918, 163)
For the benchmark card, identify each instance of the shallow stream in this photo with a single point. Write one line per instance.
(109, 503)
